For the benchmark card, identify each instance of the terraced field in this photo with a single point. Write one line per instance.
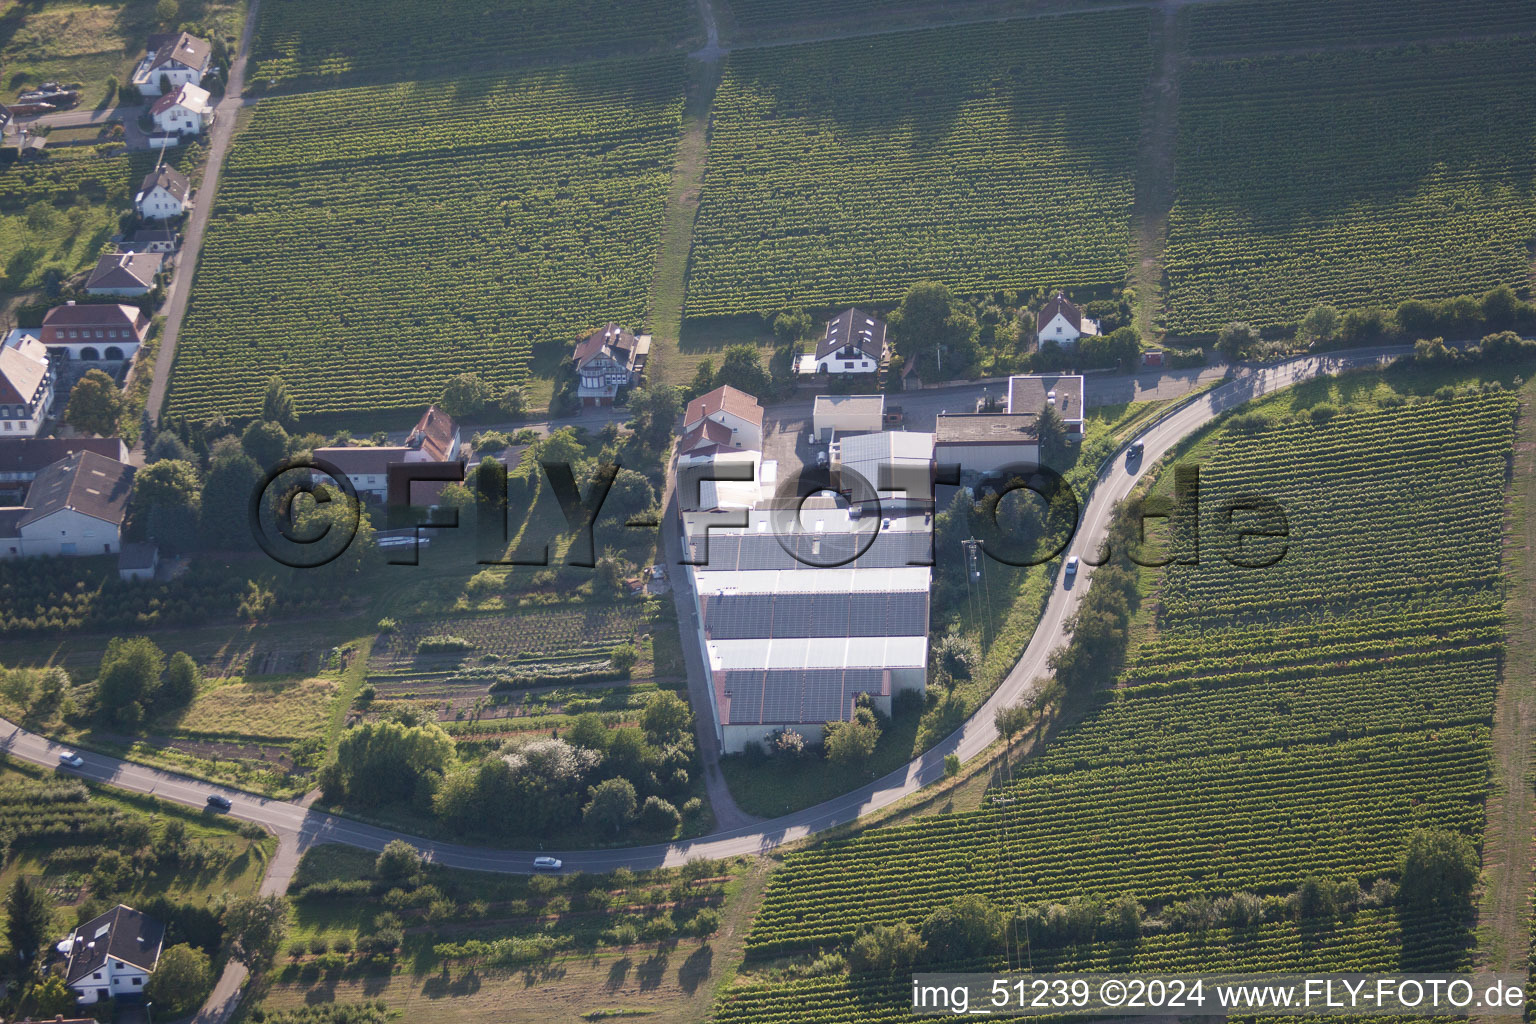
(370, 243)
(845, 171)
(1351, 178)
(1291, 722)
(417, 39)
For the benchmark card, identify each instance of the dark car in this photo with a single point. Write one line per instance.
(220, 802)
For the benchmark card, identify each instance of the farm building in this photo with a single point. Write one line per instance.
(984, 443)
(138, 561)
(22, 458)
(1030, 394)
(172, 60)
(186, 111)
(125, 273)
(607, 360)
(734, 410)
(853, 342)
(165, 193)
(26, 385)
(74, 507)
(95, 332)
(113, 956)
(836, 415)
(1060, 320)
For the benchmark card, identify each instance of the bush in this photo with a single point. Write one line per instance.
(657, 815)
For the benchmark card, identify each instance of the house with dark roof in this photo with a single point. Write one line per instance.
(138, 561)
(94, 331)
(607, 360)
(5, 119)
(1061, 321)
(172, 61)
(125, 273)
(22, 458)
(736, 411)
(853, 342)
(26, 385)
(74, 507)
(164, 193)
(986, 443)
(113, 955)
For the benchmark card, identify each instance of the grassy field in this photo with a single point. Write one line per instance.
(282, 709)
(1366, 702)
(465, 222)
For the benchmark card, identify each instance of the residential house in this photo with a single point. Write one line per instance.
(95, 331)
(125, 273)
(165, 193)
(138, 561)
(734, 410)
(986, 443)
(22, 458)
(836, 415)
(26, 385)
(186, 111)
(1029, 395)
(434, 438)
(74, 507)
(853, 342)
(113, 956)
(1060, 320)
(161, 240)
(171, 62)
(608, 360)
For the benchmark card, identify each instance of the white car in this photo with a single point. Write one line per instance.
(70, 759)
(547, 863)
(1072, 566)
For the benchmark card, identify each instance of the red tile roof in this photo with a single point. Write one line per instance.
(728, 399)
(706, 433)
(433, 434)
(1059, 303)
(96, 314)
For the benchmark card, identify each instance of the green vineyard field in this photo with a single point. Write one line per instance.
(1249, 25)
(1352, 178)
(369, 243)
(843, 172)
(1255, 740)
(408, 39)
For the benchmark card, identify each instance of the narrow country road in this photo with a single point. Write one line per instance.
(197, 225)
(298, 828)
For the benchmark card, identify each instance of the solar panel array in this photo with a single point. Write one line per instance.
(799, 695)
(765, 616)
(891, 550)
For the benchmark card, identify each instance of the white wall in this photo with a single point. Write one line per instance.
(67, 532)
(985, 458)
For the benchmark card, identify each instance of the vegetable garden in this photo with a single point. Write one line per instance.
(1350, 178)
(843, 172)
(370, 243)
(1284, 723)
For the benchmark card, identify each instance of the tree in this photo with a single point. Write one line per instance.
(928, 322)
(955, 655)
(659, 815)
(1499, 308)
(612, 805)
(623, 658)
(968, 927)
(1439, 870)
(277, 406)
(182, 678)
(703, 379)
(52, 998)
(1053, 437)
(885, 949)
(791, 325)
(266, 442)
(665, 718)
(464, 395)
(129, 677)
(224, 516)
(167, 446)
(28, 916)
(653, 412)
(852, 742)
(168, 498)
(513, 402)
(399, 862)
(630, 495)
(254, 927)
(95, 404)
(386, 761)
(182, 980)
(1319, 325)
(742, 368)
(1012, 719)
(1236, 340)
(588, 730)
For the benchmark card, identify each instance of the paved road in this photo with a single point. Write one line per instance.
(192, 240)
(298, 827)
(84, 117)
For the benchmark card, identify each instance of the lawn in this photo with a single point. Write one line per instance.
(279, 709)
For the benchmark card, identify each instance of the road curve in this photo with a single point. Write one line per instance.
(302, 827)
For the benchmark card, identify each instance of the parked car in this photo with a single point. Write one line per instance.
(894, 414)
(547, 863)
(220, 802)
(70, 759)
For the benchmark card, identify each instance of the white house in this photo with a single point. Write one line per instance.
(434, 438)
(186, 111)
(74, 507)
(26, 385)
(853, 342)
(113, 955)
(95, 331)
(735, 411)
(165, 193)
(125, 273)
(1059, 320)
(607, 360)
(174, 60)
